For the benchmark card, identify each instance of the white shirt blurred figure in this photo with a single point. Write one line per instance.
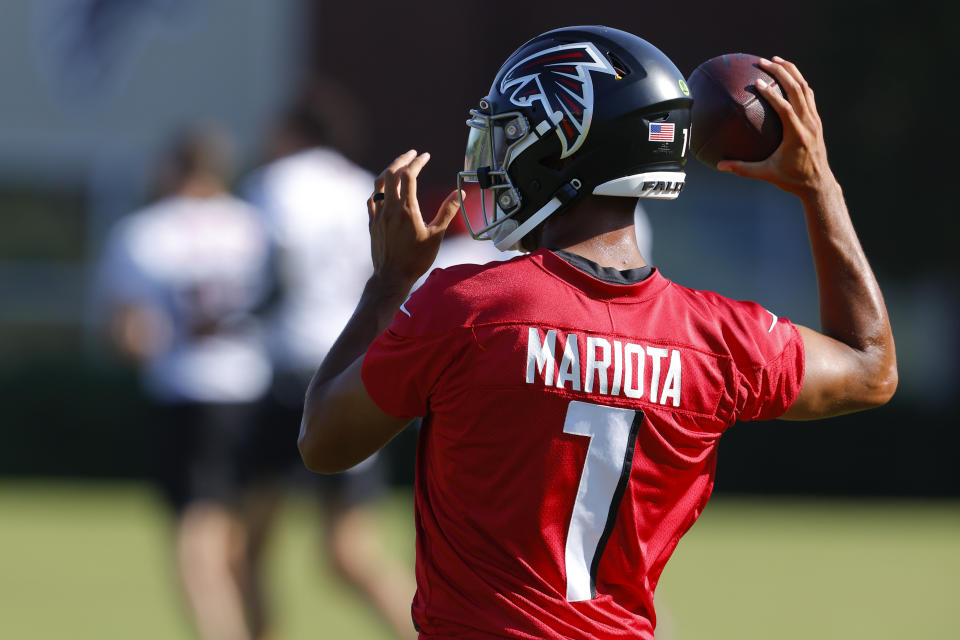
(182, 278)
(313, 201)
(189, 269)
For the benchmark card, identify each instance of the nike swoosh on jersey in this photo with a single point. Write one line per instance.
(773, 321)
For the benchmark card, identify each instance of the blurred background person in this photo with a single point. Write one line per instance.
(313, 202)
(182, 277)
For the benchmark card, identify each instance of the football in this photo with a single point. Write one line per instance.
(731, 121)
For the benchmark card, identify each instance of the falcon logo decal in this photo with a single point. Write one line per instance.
(559, 78)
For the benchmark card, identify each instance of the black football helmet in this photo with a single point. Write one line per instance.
(578, 110)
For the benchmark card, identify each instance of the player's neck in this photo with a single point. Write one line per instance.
(599, 229)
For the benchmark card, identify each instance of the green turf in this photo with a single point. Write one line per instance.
(92, 562)
(820, 569)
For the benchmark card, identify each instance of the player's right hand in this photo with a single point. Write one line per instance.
(799, 165)
(402, 245)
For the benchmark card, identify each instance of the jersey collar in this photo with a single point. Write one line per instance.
(592, 284)
(607, 274)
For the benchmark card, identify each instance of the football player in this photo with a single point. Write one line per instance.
(309, 196)
(573, 398)
(181, 280)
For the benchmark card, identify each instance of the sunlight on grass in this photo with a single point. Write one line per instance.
(92, 561)
(788, 568)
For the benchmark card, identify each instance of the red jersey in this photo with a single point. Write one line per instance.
(569, 437)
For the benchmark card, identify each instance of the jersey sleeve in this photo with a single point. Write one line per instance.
(768, 361)
(403, 366)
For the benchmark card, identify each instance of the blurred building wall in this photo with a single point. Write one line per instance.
(81, 82)
(91, 90)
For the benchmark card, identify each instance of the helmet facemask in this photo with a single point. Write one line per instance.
(492, 142)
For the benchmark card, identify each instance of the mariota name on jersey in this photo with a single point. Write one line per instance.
(637, 370)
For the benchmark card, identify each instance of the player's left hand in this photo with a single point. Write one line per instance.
(402, 244)
(799, 165)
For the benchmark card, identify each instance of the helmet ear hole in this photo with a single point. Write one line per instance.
(622, 70)
(556, 163)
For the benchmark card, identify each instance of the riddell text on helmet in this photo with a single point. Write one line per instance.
(608, 367)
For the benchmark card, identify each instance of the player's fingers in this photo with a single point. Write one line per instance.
(391, 175)
(808, 101)
(795, 96)
(812, 103)
(779, 103)
(374, 207)
(812, 107)
(792, 69)
(447, 211)
(401, 160)
(381, 180)
(408, 180)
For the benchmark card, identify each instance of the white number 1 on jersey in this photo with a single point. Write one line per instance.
(606, 471)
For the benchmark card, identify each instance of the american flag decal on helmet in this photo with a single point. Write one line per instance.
(559, 78)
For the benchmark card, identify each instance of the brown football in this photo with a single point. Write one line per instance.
(731, 121)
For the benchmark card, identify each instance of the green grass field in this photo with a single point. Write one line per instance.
(81, 561)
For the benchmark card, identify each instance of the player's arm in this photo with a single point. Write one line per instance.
(851, 364)
(342, 425)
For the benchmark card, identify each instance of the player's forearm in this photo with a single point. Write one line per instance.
(852, 309)
(381, 298)
(339, 427)
(342, 424)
